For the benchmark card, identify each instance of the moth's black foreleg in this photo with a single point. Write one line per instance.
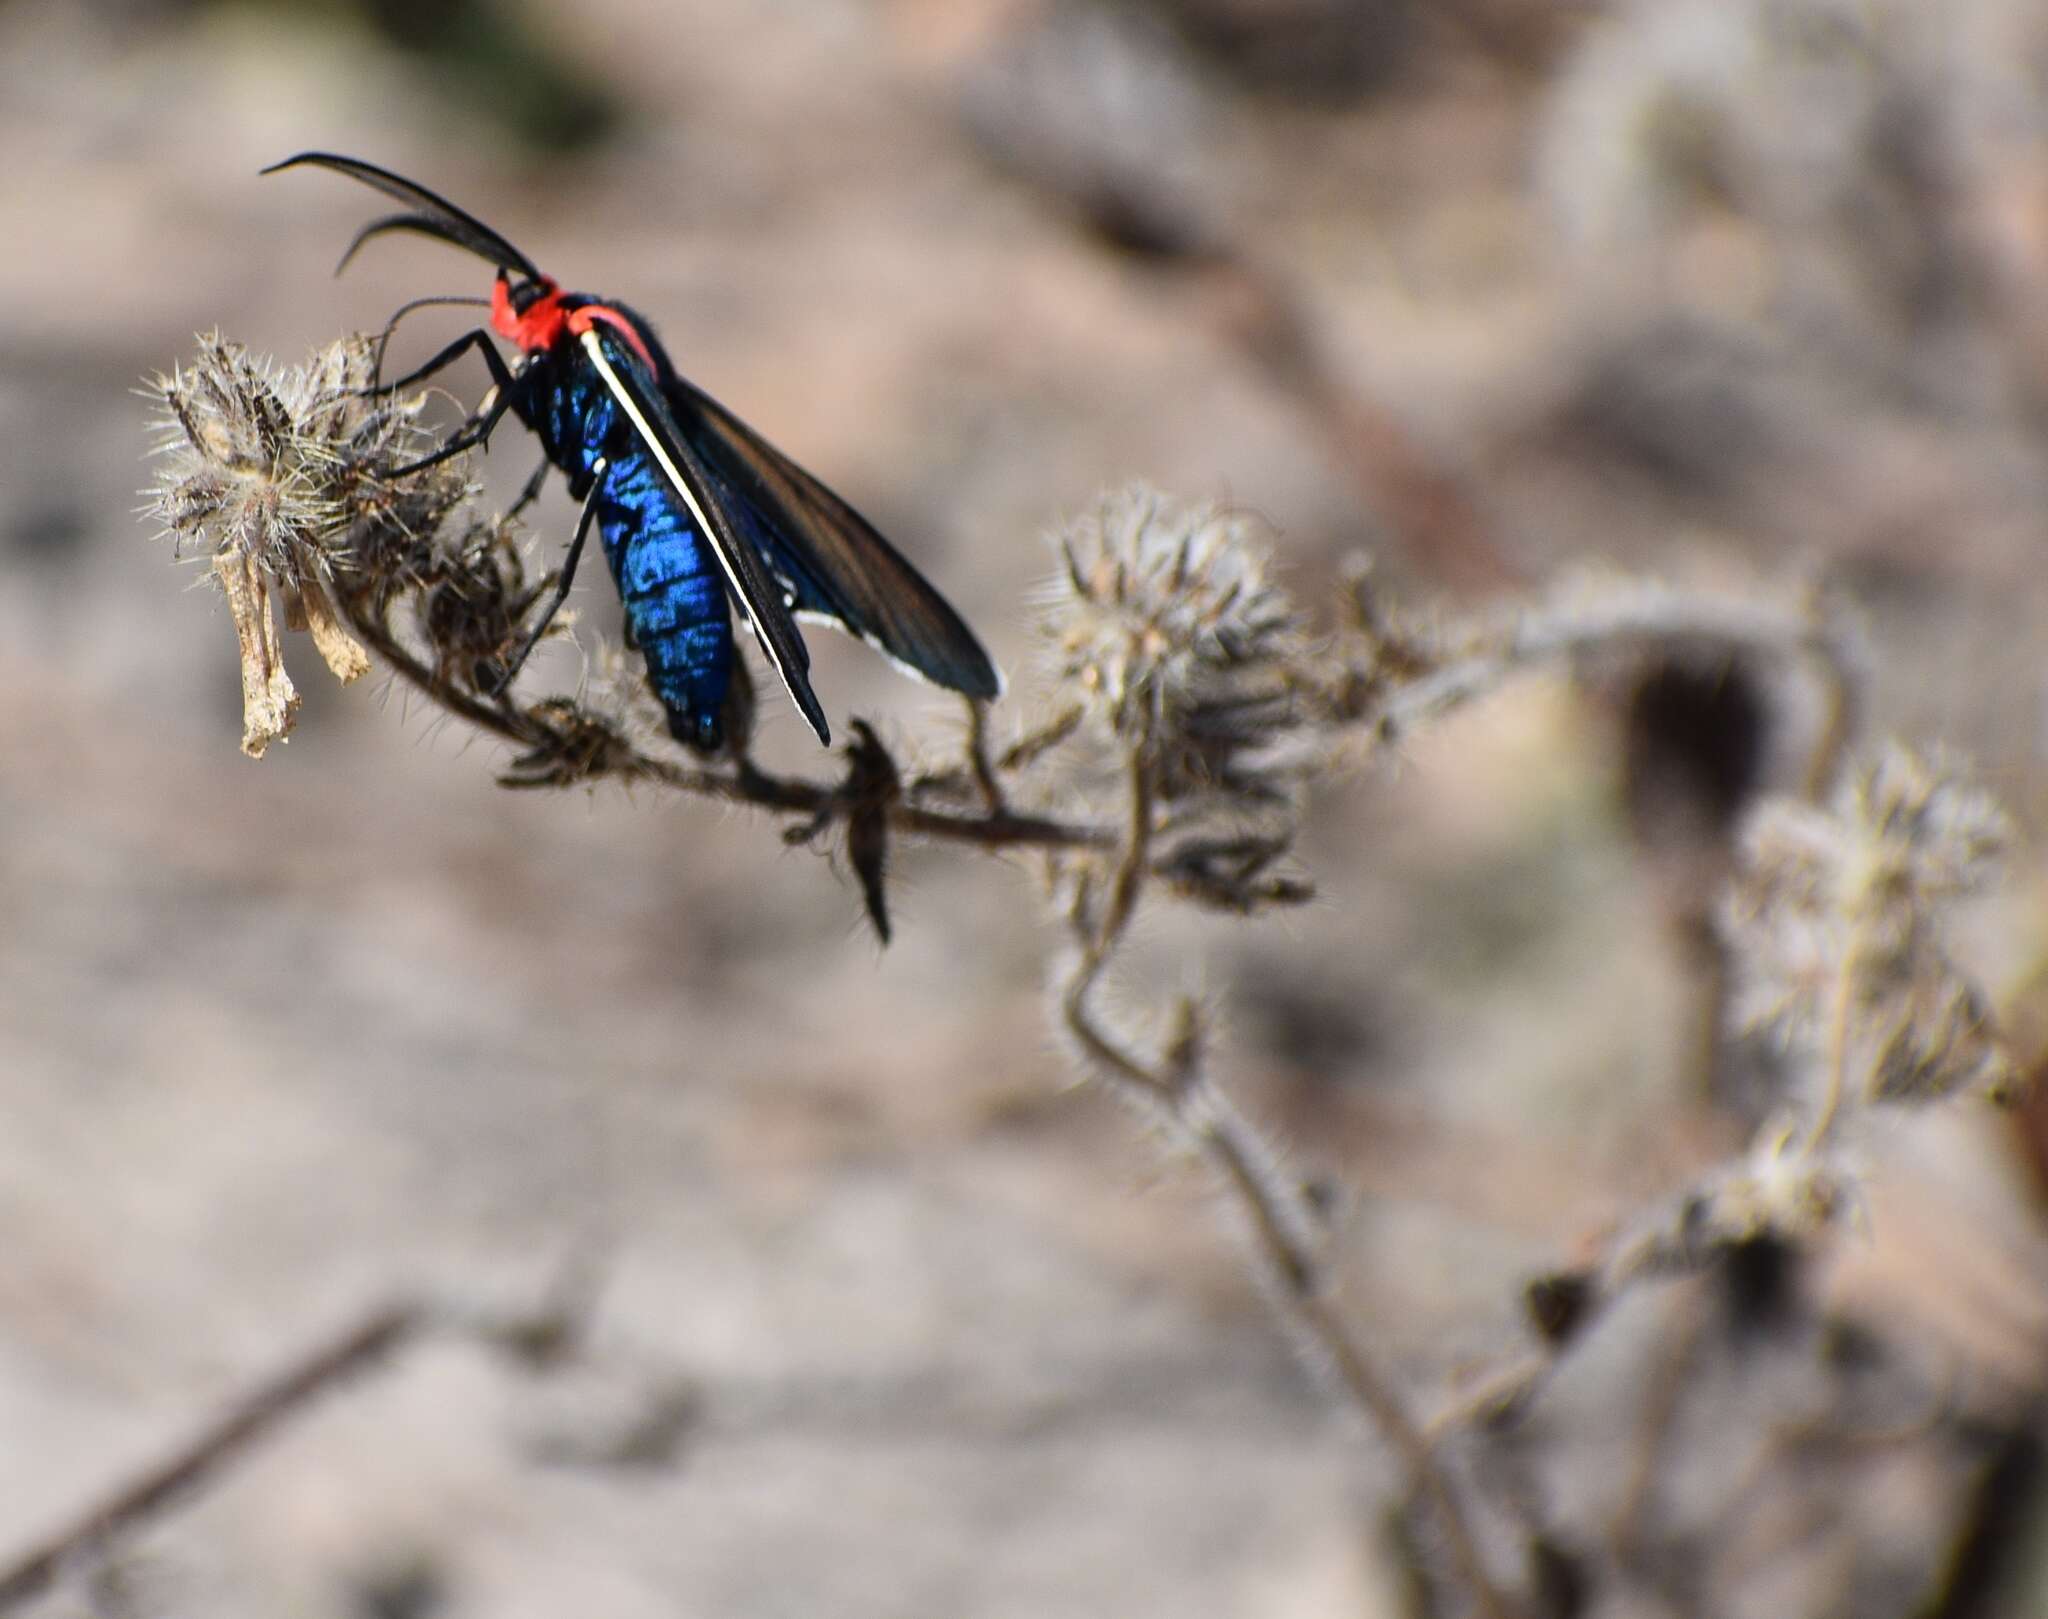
(476, 431)
(478, 339)
(531, 492)
(562, 583)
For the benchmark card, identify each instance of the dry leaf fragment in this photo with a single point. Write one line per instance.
(346, 657)
(269, 700)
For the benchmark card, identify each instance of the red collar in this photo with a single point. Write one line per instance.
(544, 321)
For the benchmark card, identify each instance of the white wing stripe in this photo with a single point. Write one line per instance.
(595, 349)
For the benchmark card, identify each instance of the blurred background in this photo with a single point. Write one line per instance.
(885, 1318)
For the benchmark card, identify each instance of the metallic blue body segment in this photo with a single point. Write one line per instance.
(675, 598)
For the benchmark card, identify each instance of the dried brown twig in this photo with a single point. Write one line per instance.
(220, 1443)
(1281, 1227)
(1839, 915)
(538, 1335)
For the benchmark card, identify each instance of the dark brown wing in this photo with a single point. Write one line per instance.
(836, 566)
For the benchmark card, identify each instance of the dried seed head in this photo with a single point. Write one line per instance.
(268, 462)
(283, 476)
(472, 602)
(1928, 833)
(233, 475)
(1836, 925)
(1165, 627)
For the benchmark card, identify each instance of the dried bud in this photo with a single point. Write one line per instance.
(1169, 633)
(872, 785)
(578, 746)
(474, 604)
(1928, 833)
(1836, 923)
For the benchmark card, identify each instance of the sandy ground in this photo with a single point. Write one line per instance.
(890, 1319)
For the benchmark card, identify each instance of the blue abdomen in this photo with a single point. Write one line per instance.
(675, 597)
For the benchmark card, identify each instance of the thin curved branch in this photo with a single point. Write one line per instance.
(994, 827)
(1280, 1228)
(358, 1347)
(1579, 621)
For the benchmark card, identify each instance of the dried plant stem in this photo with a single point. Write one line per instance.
(1035, 744)
(1274, 1222)
(1505, 1388)
(1279, 1226)
(1842, 696)
(1670, 1377)
(978, 759)
(221, 1442)
(1578, 622)
(996, 827)
(1660, 1243)
(534, 1336)
(1645, 612)
(1841, 1032)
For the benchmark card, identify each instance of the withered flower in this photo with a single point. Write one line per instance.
(282, 477)
(1838, 917)
(1166, 627)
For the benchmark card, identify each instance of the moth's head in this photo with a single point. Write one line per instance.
(528, 310)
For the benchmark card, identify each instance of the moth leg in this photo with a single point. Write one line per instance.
(531, 492)
(477, 430)
(563, 581)
(478, 339)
